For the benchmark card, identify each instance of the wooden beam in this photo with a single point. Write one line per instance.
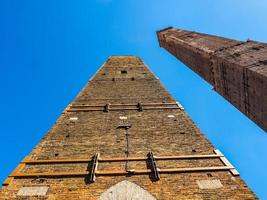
(118, 109)
(120, 172)
(7, 181)
(67, 108)
(87, 105)
(60, 161)
(96, 159)
(83, 109)
(48, 174)
(158, 104)
(124, 108)
(92, 176)
(187, 157)
(132, 104)
(121, 159)
(226, 162)
(194, 169)
(10, 178)
(164, 170)
(159, 108)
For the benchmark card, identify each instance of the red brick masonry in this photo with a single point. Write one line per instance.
(237, 70)
(106, 118)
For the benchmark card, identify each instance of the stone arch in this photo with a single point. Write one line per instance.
(126, 190)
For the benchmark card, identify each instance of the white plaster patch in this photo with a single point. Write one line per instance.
(209, 184)
(123, 117)
(33, 191)
(126, 190)
(170, 116)
(73, 118)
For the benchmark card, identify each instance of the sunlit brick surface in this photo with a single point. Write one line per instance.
(237, 70)
(82, 134)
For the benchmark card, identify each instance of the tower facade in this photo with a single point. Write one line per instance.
(125, 137)
(237, 70)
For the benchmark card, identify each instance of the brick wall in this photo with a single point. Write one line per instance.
(237, 70)
(166, 132)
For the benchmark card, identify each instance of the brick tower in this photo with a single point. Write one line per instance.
(125, 136)
(237, 70)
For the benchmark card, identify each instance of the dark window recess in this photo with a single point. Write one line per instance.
(236, 54)
(123, 72)
(264, 62)
(209, 174)
(257, 48)
(38, 180)
(103, 74)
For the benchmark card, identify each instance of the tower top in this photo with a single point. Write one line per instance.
(236, 69)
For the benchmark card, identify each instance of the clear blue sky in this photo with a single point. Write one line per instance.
(50, 48)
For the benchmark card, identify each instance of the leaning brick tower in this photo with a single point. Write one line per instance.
(237, 70)
(125, 137)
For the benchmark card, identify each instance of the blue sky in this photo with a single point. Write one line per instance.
(49, 49)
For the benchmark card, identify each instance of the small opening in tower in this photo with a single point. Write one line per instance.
(256, 48)
(123, 72)
(209, 174)
(56, 154)
(264, 62)
(38, 180)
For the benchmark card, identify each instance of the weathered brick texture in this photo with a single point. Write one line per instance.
(166, 132)
(237, 70)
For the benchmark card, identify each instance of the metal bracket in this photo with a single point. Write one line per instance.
(154, 168)
(107, 107)
(140, 107)
(95, 158)
(127, 126)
